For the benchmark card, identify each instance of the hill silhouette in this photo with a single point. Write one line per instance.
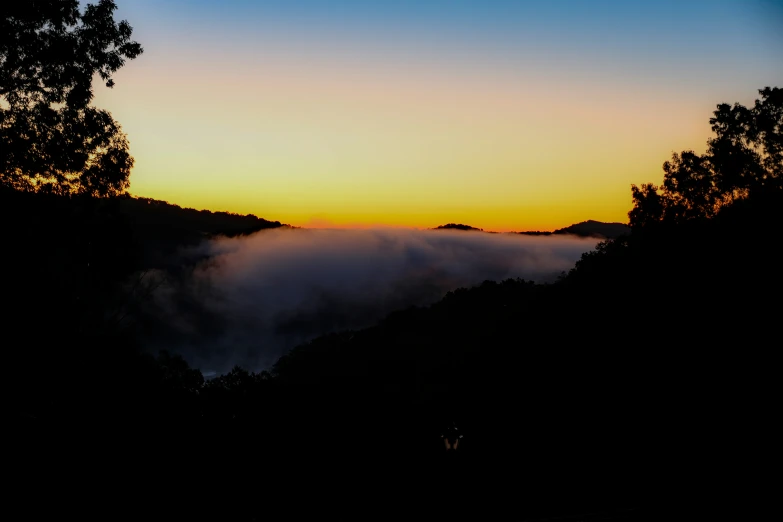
(589, 228)
(162, 228)
(151, 213)
(598, 229)
(457, 226)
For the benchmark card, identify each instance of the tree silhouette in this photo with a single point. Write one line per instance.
(53, 140)
(745, 158)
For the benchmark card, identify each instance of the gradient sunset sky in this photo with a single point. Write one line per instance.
(505, 115)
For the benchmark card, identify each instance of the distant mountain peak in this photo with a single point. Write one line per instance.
(458, 226)
(589, 228)
(592, 228)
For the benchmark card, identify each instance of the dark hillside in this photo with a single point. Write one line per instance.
(588, 228)
(457, 226)
(575, 397)
(592, 228)
(161, 228)
(595, 388)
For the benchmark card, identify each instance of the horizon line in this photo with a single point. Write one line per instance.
(318, 222)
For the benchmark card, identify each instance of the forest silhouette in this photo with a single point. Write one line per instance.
(637, 380)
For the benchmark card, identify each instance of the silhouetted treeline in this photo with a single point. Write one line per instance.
(161, 228)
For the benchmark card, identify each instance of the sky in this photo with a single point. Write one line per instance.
(504, 115)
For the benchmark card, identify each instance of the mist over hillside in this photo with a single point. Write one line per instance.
(255, 297)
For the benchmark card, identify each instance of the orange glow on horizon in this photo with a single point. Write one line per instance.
(322, 142)
(494, 220)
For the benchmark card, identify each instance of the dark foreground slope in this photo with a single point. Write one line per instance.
(641, 379)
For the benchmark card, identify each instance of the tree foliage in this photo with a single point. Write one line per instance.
(743, 159)
(52, 139)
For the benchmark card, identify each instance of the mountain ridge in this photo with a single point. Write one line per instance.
(589, 228)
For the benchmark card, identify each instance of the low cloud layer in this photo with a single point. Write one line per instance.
(251, 299)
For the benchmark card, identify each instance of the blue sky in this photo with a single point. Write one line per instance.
(678, 34)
